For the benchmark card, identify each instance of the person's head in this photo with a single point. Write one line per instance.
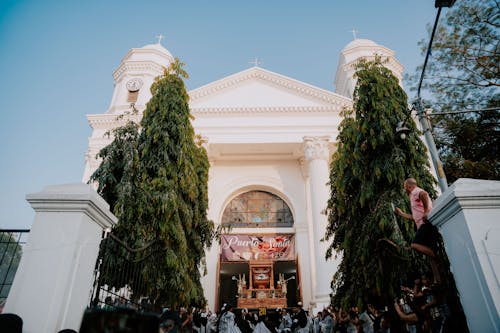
(371, 309)
(409, 185)
(167, 326)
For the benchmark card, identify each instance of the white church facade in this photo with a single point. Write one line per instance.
(269, 139)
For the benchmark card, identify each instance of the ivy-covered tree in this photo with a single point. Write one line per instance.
(463, 73)
(156, 180)
(367, 172)
(174, 175)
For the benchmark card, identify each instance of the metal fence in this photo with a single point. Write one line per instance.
(119, 275)
(12, 243)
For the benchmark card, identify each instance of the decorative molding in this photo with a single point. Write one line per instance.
(97, 120)
(237, 111)
(268, 76)
(110, 121)
(139, 66)
(393, 63)
(316, 147)
(375, 47)
(125, 109)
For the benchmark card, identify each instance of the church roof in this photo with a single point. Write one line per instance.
(359, 42)
(157, 47)
(258, 88)
(149, 57)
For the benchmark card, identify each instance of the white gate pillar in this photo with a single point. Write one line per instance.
(468, 216)
(53, 282)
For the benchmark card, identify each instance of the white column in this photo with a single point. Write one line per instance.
(209, 281)
(468, 216)
(317, 156)
(305, 258)
(52, 286)
(308, 302)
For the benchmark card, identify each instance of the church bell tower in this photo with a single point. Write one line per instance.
(345, 82)
(133, 79)
(135, 75)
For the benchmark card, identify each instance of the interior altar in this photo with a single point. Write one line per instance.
(261, 291)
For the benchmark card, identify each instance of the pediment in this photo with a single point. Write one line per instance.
(257, 88)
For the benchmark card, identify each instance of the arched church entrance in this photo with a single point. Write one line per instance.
(258, 267)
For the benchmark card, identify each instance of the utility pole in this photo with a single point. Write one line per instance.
(424, 122)
(431, 145)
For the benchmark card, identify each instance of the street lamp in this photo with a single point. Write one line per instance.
(402, 130)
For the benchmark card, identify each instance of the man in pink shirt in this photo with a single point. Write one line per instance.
(425, 238)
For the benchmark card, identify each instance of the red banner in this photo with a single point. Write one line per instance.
(258, 247)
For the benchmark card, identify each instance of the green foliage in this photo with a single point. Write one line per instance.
(116, 177)
(464, 73)
(470, 145)
(159, 191)
(366, 176)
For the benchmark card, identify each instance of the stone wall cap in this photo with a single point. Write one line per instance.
(71, 197)
(73, 190)
(465, 187)
(468, 188)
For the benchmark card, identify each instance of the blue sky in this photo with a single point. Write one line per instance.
(57, 60)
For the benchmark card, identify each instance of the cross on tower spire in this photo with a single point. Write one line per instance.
(354, 31)
(160, 37)
(256, 62)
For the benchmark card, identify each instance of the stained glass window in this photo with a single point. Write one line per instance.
(257, 209)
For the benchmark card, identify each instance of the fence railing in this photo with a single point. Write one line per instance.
(12, 243)
(119, 275)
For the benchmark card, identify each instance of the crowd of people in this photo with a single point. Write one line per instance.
(420, 309)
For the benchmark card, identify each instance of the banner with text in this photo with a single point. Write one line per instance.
(258, 247)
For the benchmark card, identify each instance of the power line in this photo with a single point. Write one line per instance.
(462, 111)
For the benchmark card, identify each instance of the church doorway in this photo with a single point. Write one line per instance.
(258, 269)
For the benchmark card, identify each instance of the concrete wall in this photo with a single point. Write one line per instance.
(468, 216)
(53, 283)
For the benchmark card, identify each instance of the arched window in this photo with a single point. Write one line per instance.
(257, 209)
